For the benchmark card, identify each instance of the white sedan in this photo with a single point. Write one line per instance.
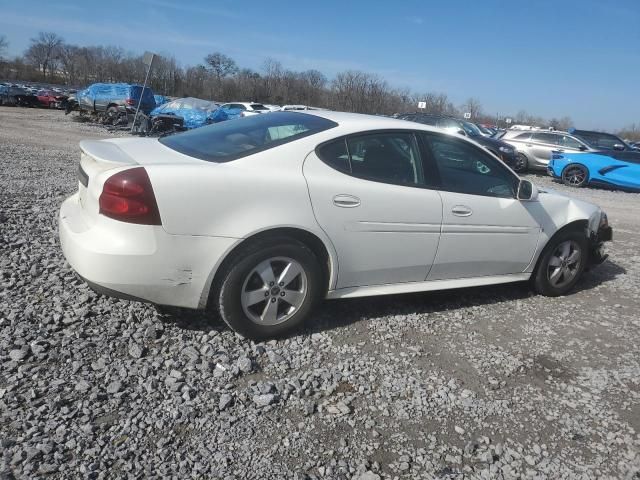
(261, 217)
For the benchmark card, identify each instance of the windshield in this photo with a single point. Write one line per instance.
(471, 129)
(226, 141)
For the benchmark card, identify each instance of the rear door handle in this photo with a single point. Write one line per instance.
(461, 211)
(346, 201)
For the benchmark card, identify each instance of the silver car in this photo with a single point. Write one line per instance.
(533, 148)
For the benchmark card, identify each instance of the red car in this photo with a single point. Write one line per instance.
(51, 99)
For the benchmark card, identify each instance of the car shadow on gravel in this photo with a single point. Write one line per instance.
(338, 313)
(333, 314)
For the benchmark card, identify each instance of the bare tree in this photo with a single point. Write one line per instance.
(4, 44)
(474, 107)
(220, 65)
(219, 78)
(43, 51)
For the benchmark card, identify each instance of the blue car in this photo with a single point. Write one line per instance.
(195, 112)
(115, 98)
(582, 169)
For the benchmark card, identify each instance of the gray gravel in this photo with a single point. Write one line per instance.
(482, 383)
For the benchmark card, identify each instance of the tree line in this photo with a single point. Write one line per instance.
(50, 59)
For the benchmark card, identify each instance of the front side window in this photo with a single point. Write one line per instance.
(568, 142)
(464, 168)
(386, 157)
(226, 141)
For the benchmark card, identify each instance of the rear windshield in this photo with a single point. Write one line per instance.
(233, 139)
(258, 106)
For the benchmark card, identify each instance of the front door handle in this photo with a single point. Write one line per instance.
(461, 211)
(346, 201)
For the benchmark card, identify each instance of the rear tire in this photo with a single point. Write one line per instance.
(575, 176)
(269, 288)
(561, 264)
(112, 115)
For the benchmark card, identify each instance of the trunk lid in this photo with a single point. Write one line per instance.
(100, 159)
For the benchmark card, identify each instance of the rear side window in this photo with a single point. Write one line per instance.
(226, 141)
(548, 138)
(388, 157)
(335, 154)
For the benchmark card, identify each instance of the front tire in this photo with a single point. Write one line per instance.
(521, 163)
(575, 176)
(562, 263)
(269, 288)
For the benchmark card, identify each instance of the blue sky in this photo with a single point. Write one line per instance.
(579, 58)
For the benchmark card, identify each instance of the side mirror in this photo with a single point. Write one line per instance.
(461, 132)
(582, 148)
(618, 147)
(527, 191)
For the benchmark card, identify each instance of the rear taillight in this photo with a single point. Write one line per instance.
(128, 196)
(130, 101)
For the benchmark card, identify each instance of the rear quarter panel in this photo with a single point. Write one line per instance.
(238, 198)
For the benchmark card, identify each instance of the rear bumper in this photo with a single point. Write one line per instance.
(140, 262)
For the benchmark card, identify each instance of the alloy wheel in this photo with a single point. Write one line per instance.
(574, 176)
(564, 263)
(521, 163)
(274, 291)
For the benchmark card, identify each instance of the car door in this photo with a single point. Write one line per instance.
(485, 229)
(542, 144)
(368, 194)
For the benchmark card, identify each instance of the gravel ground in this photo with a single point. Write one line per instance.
(479, 383)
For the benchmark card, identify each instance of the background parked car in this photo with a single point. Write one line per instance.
(248, 108)
(502, 150)
(51, 99)
(18, 96)
(193, 111)
(114, 99)
(4, 94)
(534, 149)
(586, 168)
(602, 141)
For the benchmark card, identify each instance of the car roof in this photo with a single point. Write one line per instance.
(581, 132)
(359, 121)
